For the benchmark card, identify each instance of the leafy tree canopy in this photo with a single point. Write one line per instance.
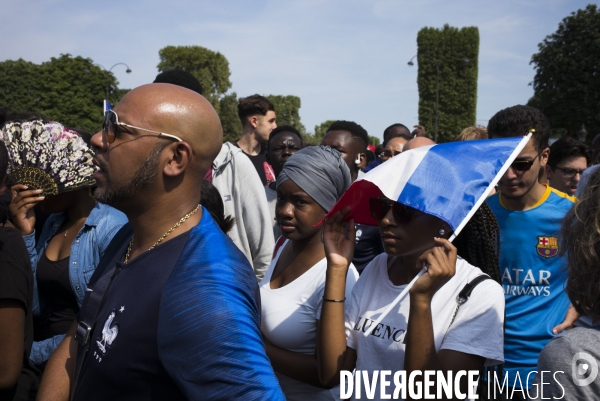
(321, 130)
(232, 126)
(287, 109)
(567, 78)
(71, 89)
(209, 67)
(66, 89)
(19, 85)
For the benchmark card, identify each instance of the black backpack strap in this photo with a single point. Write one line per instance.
(469, 287)
(462, 297)
(96, 296)
(465, 293)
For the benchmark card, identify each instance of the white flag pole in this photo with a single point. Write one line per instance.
(494, 182)
(479, 202)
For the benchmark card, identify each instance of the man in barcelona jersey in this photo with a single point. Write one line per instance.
(533, 275)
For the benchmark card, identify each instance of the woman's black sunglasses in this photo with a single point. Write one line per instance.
(379, 208)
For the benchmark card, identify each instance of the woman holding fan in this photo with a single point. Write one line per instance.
(52, 166)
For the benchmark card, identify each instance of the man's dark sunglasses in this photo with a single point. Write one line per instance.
(523, 165)
(380, 207)
(389, 153)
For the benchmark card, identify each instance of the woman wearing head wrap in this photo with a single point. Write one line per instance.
(310, 183)
(51, 165)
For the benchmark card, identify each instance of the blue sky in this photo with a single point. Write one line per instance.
(344, 59)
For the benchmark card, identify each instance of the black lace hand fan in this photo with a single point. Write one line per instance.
(47, 156)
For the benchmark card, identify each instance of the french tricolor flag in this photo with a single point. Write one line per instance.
(449, 180)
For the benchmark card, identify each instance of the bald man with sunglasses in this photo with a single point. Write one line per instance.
(533, 271)
(172, 311)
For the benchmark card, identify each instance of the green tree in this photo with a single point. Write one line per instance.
(20, 85)
(287, 109)
(567, 73)
(232, 127)
(455, 52)
(65, 89)
(209, 67)
(321, 130)
(373, 140)
(73, 92)
(212, 71)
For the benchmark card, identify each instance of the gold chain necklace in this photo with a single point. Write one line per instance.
(180, 222)
(75, 225)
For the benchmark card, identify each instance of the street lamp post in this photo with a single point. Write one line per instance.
(109, 70)
(437, 89)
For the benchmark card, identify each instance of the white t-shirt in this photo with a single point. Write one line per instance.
(289, 320)
(477, 328)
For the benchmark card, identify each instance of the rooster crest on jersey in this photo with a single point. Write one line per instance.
(109, 334)
(547, 247)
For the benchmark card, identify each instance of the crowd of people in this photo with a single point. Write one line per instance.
(152, 261)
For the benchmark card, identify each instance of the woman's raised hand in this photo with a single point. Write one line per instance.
(21, 207)
(441, 267)
(339, 239)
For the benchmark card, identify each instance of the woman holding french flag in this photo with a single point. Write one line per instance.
(422, 305)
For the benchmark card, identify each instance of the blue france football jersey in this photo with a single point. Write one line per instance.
(533, 277)
(179, 322)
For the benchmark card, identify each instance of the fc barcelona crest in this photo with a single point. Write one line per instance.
(547, 247)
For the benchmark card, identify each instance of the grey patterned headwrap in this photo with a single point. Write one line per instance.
(319, 171)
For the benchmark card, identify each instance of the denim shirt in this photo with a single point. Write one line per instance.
(87, 249)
